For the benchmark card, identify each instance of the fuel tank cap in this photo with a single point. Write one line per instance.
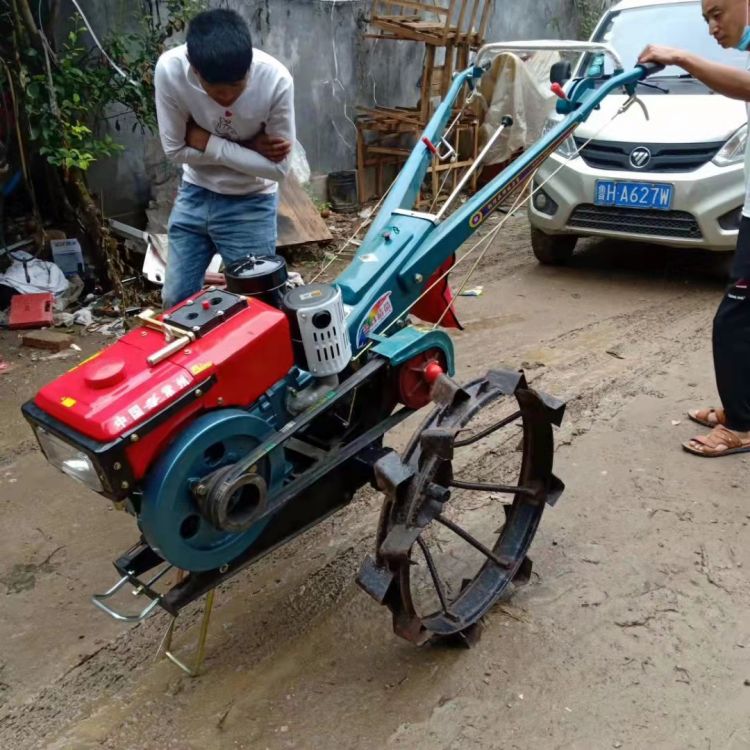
(105, 374)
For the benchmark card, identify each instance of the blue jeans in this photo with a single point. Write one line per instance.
(204, 223)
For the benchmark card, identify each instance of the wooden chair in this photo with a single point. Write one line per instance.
(449, 30)
(439, 23)
(385, 137)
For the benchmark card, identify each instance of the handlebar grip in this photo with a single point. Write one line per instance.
(650, 68)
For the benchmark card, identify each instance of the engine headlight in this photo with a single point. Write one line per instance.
(69, 459)
(567, 149)
(733, 151)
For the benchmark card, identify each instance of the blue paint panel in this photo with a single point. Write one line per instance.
(372, 285)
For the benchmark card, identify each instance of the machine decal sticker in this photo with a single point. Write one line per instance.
(137, 411)
(311, 295)
(199, 368)
(379, 312)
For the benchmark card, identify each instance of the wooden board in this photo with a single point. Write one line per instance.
(299, 221)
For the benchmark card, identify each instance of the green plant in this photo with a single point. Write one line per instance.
(321, 206)
(66, 93)
(589, 12)
(59, 116)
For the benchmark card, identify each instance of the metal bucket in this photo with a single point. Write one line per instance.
(342, 191)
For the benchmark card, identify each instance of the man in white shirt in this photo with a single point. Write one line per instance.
(226, 114)
(728, 23)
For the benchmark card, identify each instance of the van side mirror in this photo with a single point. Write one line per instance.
(560, 72)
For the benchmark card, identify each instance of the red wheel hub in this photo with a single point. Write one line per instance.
(416, 377)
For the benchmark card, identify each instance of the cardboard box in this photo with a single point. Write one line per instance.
(68, 255)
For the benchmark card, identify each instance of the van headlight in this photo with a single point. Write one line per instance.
(69, 459)
(733, 151)
(567, 149)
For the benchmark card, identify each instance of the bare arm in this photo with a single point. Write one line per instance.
(723, 79)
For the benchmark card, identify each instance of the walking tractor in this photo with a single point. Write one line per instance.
(243, 417)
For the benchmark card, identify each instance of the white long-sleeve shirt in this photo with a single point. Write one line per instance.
(225, 166)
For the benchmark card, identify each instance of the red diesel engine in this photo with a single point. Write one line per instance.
(106, 420)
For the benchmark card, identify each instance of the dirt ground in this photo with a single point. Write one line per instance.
(633, 633)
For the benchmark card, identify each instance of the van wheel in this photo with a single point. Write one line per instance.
(552, 249)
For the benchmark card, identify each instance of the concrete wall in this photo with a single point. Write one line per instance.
(335, 69)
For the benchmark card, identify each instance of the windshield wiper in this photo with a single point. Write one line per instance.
(648, 85)
(681, 77)
(652, 85)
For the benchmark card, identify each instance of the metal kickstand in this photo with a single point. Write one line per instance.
(166, 643)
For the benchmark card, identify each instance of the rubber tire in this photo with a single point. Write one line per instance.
(552, 249)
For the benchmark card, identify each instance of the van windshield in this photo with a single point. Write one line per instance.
(675, 25)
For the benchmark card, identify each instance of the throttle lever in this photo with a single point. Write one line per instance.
(558, 91)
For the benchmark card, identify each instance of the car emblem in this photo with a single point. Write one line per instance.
(640, 157)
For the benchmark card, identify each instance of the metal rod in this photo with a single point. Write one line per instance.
(204, 629)
(149, 584)
(546, 45)
(168, 350)
(149, 320)
(484, 433)
(405, 188)
(506, 123)
(99, 599)
(434, 575)
(488, 553)
(486, 487)
(193, 671)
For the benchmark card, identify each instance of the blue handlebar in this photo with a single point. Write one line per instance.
(387, 275)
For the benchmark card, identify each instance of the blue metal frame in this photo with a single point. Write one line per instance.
(402, 250)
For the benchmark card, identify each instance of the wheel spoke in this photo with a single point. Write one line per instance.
(434, 575)
(485, 487)
(488, 431)
(505, 564)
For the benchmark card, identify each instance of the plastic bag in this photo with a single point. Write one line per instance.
(299, 165)
(29, 275)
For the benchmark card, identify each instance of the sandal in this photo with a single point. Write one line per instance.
(708, 417)
(719, 442)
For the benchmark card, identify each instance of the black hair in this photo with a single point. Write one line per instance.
(219, 46)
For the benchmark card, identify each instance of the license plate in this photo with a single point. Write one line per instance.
(634, 194)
